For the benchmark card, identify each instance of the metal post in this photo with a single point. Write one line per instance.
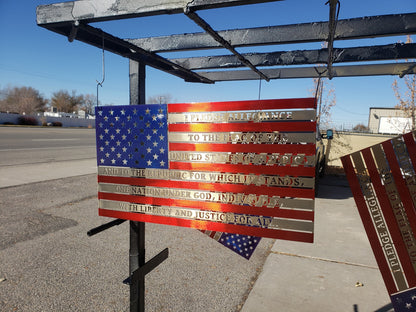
(137, 260)
(137, 229)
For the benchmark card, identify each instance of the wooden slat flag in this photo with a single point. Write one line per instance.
(243, 167)
(383, 183)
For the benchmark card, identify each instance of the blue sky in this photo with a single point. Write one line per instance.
(33, 56)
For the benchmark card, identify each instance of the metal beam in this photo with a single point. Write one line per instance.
(98, 38)
(302, 57)
(315, 72)
(96, 11)
(205, 26)
(355, 28)
(332, 24)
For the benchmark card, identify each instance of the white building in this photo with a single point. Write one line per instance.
(389, 120)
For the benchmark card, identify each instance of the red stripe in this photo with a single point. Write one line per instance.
(242, 105)
(307, 149)
(211, 226)
(233, 168)
(368, 224)
(211, 206)
(389, 218)
(411, 147)
(401, 186)
(234, 188)
(291, 126)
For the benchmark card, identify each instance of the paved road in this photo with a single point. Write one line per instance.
(33, 154)
(29, 145)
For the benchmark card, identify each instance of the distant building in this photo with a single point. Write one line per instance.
(389, 120)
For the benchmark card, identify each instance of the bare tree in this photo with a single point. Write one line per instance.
(326, 99)
(407, 97)
(160, 99)
(90, 100)
(22, 100)
(66, 102)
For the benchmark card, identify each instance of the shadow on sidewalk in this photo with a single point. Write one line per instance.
(334, 187)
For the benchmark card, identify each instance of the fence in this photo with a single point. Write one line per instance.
(10, 118)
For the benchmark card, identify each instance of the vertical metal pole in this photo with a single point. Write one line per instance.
(137, 229)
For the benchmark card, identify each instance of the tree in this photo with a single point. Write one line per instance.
(21, 100)
(90, 101)
(361, 128)
(326, 99)
(66, 102)
(407, 97)
(160, 99)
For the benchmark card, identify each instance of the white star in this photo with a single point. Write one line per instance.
(147, 111)
(149, 162)
(162, 163)
(124, 149)
(118, 131)
(149, 150)
(154, 131)
(107, 155)
(118, 143)
(148, 137)
(408, 306)
(112, 137)
(100, 113)
(124, 161)
(111, 112)
(154, 118)
(113, 148)
(123, 137)
(155, 144)
(162, 150)
(101, 137)
(161, 137)
(106, 131)
(102, 160)
(155, 156)
(102, 149)
(123, 112)
(113, 161)
(118, 155)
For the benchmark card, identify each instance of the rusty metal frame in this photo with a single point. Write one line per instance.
(72, 19)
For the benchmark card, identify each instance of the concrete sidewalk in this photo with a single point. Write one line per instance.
(37, 172)
(338, 272)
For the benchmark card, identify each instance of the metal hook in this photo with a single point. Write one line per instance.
(103, 71)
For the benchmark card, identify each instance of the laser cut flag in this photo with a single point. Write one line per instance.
(243, 245)
(383, 181)
(225, 167)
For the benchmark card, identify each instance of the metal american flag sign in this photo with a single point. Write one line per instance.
(382, 180)
(244, 167)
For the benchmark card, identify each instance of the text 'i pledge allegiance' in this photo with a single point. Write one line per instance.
(238, 116)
